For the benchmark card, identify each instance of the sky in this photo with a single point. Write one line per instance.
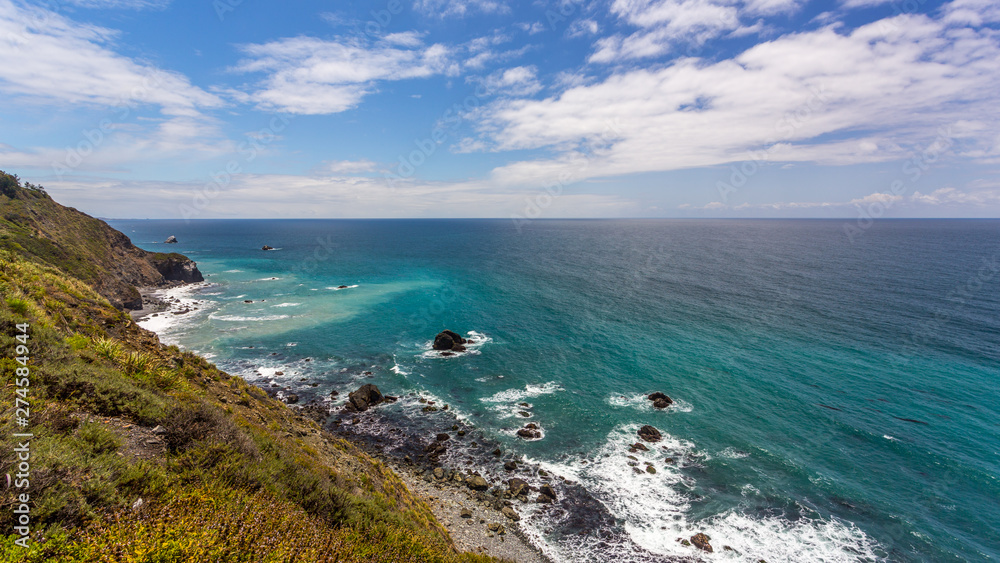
(857, 109)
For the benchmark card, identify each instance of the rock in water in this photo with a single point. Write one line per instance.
(366, 396)
(171, 240)
(546, 490)
(517, 486)
(266, 247)
(660, 400)
(449, 340)
(650, 434)
(701, 542)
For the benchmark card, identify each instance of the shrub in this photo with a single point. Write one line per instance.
(108, 348)
(18, 305)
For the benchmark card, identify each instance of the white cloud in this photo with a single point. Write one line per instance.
(531, 28)
(120, 4)
(404, 39)
(446, 8)
(772, 7)
(583, 27)
(972, 12)
(880, 93)
(306, 75)
(946, 196)
(850, 4)
(338, 167)
(513, 82)
(664, 24)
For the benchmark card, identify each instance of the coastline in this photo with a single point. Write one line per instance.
(475, 525)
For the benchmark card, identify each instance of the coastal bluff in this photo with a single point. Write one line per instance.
(32, 224)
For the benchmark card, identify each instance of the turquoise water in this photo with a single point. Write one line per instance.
(835, 401)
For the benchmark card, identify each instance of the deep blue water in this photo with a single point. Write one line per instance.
(835, 400)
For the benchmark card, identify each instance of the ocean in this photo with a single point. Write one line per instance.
(835, 398)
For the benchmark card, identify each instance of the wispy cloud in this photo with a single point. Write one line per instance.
(448, 8)
(307, 75)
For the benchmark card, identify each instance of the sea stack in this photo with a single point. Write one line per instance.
(171, 240)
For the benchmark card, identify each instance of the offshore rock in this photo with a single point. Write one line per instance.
(449, 340)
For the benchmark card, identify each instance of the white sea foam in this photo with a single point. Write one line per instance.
(268, 279)
(233, 271)
(530, 390)
(654, 509)
(240, 319)
(733, 453)
(290, 344)
(396, 369)
(287, 305)
(638, 401)
(166, 324)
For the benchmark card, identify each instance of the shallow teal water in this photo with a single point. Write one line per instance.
(835, 401)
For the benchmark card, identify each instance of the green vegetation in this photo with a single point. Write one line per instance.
(233, 475)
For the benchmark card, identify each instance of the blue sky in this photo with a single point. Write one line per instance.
(505, 108)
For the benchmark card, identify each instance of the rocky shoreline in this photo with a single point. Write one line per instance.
(477, 491)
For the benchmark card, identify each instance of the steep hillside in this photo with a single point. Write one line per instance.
(33, 225)
(143, 452)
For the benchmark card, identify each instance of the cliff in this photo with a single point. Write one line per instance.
(142, 452)
(33, 225)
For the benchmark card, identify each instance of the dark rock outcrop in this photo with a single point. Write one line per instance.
(177, 268)
(170, 240)
(650, 434)
(365, 397)
(266, 247)
(449, 340)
